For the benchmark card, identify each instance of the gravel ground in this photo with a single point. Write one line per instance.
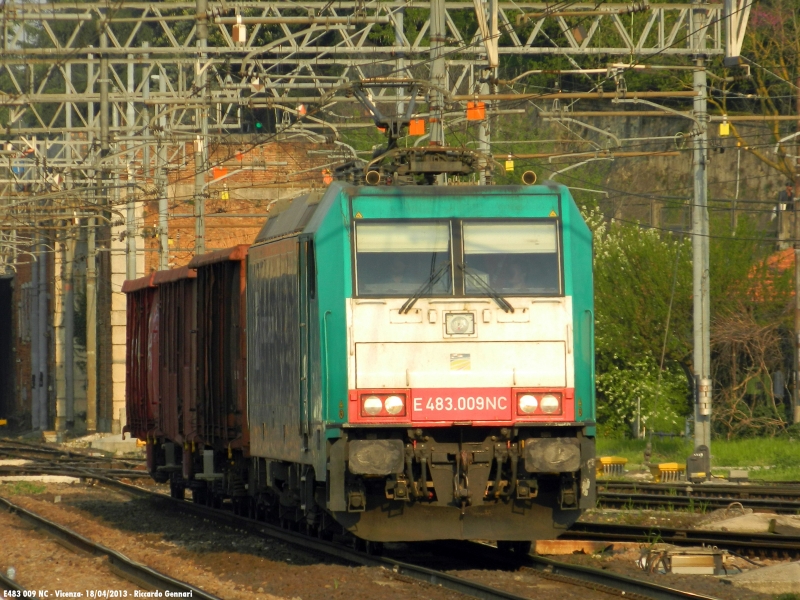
(42, 564)
(624, 562)
(217, 559)
(235, 566)
(530, 584)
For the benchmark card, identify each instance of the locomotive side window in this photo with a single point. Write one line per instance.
(400, 259)
(519, 258)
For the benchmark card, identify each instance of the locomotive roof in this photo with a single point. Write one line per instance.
(292, 219)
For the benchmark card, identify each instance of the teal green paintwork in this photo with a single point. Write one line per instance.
(579, 284)
(331, 226)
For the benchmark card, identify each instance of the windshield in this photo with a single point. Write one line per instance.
(512, 258)
(400, 259)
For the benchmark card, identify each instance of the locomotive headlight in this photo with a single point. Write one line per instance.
(527, 404)
(372, 405)
(394, 405)
(550, 404)
(459, 323)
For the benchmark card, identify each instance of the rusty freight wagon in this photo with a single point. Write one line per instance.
(221, 346)
(141, 379)
(176, 421)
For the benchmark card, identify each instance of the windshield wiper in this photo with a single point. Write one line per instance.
(490, 291)
(427, 286)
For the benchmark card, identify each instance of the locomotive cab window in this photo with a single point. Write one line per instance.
(511, 258)
(402, 259)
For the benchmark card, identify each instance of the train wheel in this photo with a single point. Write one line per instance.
(177, 490)
(359, 545)
(199, 495)
(374, 548)
(521, 548)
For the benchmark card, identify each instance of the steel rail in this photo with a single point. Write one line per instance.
(685, 487)
(780, 497)
(791, 507)
(66, 470)
(10, 585)
(576, 575)
(761, 544)
(120, 564)
(627, 585)
(596, 578)
(571, 574)
(337, 551)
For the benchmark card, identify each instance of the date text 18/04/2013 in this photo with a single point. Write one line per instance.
(94, 594)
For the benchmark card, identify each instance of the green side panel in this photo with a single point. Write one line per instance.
(580, 285)
(331, 228)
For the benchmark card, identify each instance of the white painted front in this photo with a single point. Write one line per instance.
(531, 347)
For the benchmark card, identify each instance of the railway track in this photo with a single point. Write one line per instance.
(583, 577)
(17, 449)
(779, 498)
(481, 554)
(10, 585)
(118, 563)
(762, 545)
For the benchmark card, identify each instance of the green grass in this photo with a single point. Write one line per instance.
(780, 454)
(23, 487)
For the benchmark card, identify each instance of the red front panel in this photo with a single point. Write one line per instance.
(459, 404)
(442, 407)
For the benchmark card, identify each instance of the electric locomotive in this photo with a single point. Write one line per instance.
(420, 363)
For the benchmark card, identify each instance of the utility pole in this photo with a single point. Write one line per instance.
(130, 205)
(796, 393)
(91, 277)
(161, 181)
(68, 266)
(700, 252)
(438, 37)
(400, 61)
(103, 241)
(489, 27)
(43, 346)
(201, 143)
(33, 309)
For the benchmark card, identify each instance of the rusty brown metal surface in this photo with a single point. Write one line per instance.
(133, 285)
(172, 275)
(236, 253)
(140, 402)
(222, 348)
(177, 355)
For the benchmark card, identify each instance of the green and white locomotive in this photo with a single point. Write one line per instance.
(420, 363)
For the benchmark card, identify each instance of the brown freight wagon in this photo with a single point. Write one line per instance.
(176, 419)
(141, 396)
(221, 416)
(222, 348)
